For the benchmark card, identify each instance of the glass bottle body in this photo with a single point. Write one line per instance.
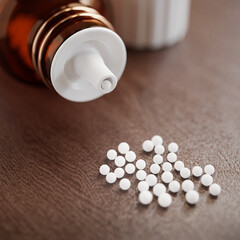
(31, 32)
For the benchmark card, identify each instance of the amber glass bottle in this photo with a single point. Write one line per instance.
(32, 32)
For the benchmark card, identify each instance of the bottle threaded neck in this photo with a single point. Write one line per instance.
(55, 30)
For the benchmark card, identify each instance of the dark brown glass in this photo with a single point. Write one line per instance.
(27, 52)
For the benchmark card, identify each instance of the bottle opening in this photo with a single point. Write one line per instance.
(107, 85)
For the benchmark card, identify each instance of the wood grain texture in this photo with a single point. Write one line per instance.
(51, 149)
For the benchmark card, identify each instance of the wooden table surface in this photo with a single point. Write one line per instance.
(51, 149)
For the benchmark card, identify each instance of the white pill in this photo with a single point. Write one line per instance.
(172, 157)
(197, 171)
(120, 161)
(173, 147)
(159, 149)
(130, 156)
(174, 186)
(158, 159)
(165, 200)
(123, 148)
(159, 189)
(124, 184)
(157, 140)
(209, 169)
(147, 146)
(185, 173)
(111, 154)
(141, 175)
(192, 197)
(178, 165)
(130, 168)
(143, 186)
(104, 169)
(215, 189)
(151, 180)
(187, 185)
(119, 172)
(111, 178)
(140, 164)
(155, 168)
(167, 167)
(167, 177)
(145, 197)
(206, 180)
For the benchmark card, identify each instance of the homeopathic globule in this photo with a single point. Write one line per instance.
(158, 177)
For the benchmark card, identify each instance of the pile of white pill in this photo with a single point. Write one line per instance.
(159, 181)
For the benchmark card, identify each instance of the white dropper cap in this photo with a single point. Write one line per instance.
(88, 64)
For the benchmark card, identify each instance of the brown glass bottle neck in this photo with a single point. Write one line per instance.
(48, 37)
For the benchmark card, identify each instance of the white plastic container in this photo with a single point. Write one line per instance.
(151, 24)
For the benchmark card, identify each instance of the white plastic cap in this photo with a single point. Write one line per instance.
(88, 64)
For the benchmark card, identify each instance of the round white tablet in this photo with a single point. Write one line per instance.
(172, 157)
(165, 200)
(197, 171)
(185, 173)
(145, 197)
(209, 169)
(174, 186)
(167, 177)
(143, 186)
(173, 147)
(120, 161)
(158, 159)
(119, 172)
(123, 148)
(192, 197)
(140, 164)
(159, 149)
(178, 165)
(147, 146)
(157, 140)
(141, 175)
(215, 189)
(130, 156)
(159, 189)
(155, 168)
(104, 169)
(206, 180)
(187, 185)
(124, 184)
(167, 167)
(151, 180)
(130, 168)
(111, 154)
(111, 178)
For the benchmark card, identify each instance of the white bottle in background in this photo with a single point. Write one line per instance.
(151, 24)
